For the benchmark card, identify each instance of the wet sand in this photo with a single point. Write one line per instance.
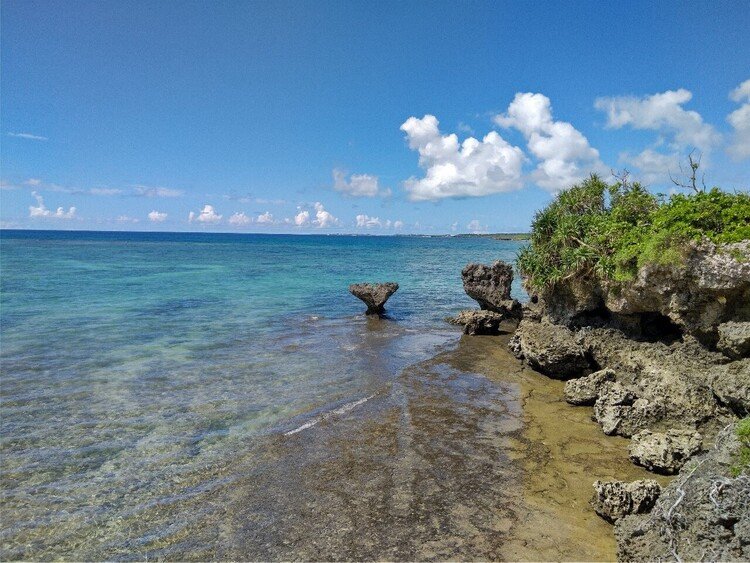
(468, 456)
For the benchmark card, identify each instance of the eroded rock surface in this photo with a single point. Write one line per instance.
(731, 385)
(490, 287)
(615, 499)
(734, 339)
(478, 322)
(374, 295)
(586, 390)
(664, 452)
(703, 514)
(551, 349)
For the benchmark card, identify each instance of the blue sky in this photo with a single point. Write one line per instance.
(356, 117)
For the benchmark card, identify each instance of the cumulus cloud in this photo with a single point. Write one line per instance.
(358, 185)
(398, 224)
(367, 222)
(476, 227)
(240, 219)
(664, 113)
(157, 217)
(40, 211)
(323, 219)
(653, 166)
(265, 218)
(739, 119)
(564, 154)
(207, 215)
(302, 218)
(126, 219)
(452, 169)
(156, 191)
(28, 136)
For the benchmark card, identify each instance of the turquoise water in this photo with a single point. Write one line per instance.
(138, 367)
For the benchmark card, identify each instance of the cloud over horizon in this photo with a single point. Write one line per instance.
(40, 211)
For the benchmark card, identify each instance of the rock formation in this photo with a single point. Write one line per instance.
(586, 390)
(703, 514)
(552, 349)
(490, 287)
(664, 452)
(478, 322)
(615, 499)
(734, 339)
(374, 295)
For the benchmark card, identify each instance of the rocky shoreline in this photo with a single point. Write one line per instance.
(663, 360)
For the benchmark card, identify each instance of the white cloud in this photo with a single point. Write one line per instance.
(240, 219)
(469, 169)
(398, 224)
(105, 191)
(454, 226)
(150, 191)
(41, 211)
(207, 215)
(265, 218)
(564, 153)
(476, 227)
(739, 119)
(302, 218)
(358, 185)
(323, 219)
(126, 219)
(367, 222)
(28, 136)
(664, 113)
(654, 167)
(157, 217)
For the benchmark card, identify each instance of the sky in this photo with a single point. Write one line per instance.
(357, 117)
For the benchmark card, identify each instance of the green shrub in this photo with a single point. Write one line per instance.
(610, 230)
(742, 462)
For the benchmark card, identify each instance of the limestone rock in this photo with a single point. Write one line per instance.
(734, 339)
(551, 349)
(614, 499)
(730, 383)
(478, 322)
(701, 515)
(664, 452)
(585, 390)
(374, 295)
(490, 287)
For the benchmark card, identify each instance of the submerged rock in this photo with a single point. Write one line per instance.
(615, 499)
(586, 390)
(478, 322)
(551, 349)
(664, 452)
(374, 295)
(734, 339)
(703, 514)
(490, 287)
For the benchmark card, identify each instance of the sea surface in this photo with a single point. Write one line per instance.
(139, 368)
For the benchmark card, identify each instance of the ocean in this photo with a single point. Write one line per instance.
(145, 374)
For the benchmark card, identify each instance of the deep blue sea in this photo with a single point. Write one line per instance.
(136, 367)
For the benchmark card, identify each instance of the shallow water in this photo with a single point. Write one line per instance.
(216, 396)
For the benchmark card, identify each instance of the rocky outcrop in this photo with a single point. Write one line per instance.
(708, 287)
(615, 499)
(586, 390)
(374, 295)
(730, 384)
(478, 322)
(703, 514)
(664, 452)
(734, 339)
(490, 287)
(551, 349)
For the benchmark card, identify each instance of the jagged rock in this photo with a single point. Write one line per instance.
(664, 452)
(478, 322)
(734, 339)
(490, 287)
(709, 287)
(551, 349)
(374, 295)
(703, 514)
(615, 499)
(731, 384)
(585, 390)
(618, 410)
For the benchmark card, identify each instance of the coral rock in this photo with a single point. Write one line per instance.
(374, 295)
(664, 452)
(585, 390)
(615, 499)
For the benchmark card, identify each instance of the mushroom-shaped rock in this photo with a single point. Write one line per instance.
(374, 295)
(489, 285)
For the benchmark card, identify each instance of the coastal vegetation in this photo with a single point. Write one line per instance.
(611, 230)
(742, 463)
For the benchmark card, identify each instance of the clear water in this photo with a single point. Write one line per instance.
(138, 367)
